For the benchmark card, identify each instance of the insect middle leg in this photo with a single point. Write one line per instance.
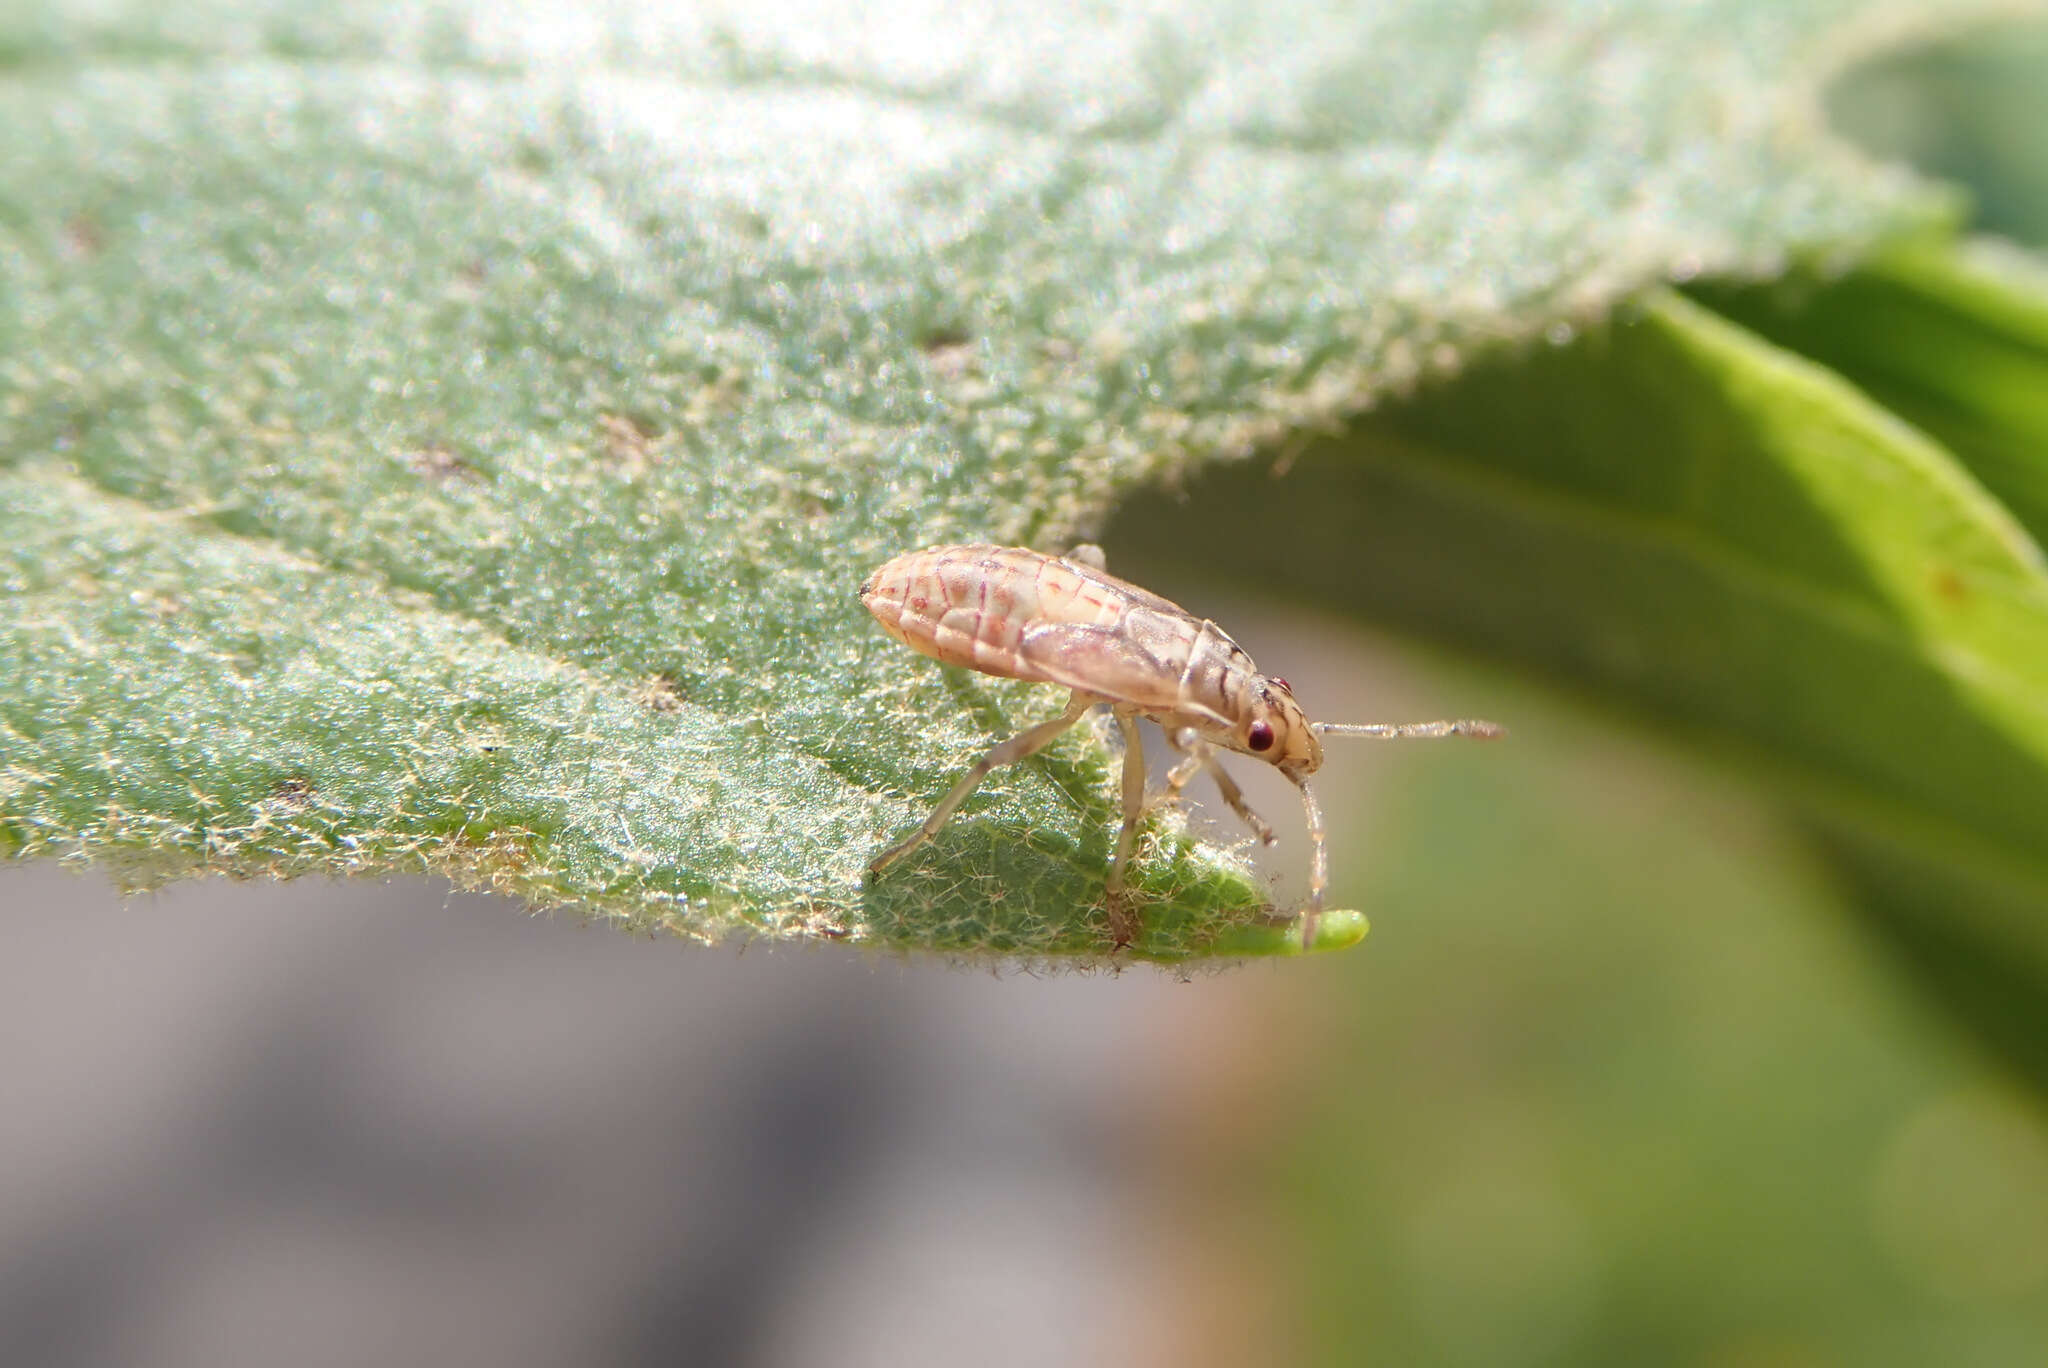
(1006, 753)
(1202, 756)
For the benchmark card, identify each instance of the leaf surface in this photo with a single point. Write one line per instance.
(449, 436)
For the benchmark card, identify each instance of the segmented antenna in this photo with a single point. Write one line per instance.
(1393, 731)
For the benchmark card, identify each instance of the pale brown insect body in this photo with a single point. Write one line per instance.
(1062, 620)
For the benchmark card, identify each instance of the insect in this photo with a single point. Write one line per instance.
(1009, 611)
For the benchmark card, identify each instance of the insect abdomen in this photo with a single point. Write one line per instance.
(959, 604)
(1015, 612)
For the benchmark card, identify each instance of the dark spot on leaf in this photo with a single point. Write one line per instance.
(950, 352)
(83, 239)
(1950, 586)
(294, 794)
(659, 693)
(438, 462)
(628, 442)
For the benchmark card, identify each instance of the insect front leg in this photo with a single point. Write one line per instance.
(1122, 926)
(1318, 863)
(1202, 756)
(1177, 778)
(1006, 753)
(1234, 796)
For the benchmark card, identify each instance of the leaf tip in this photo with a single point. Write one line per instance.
(1338, 930)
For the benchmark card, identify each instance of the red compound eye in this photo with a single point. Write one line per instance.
(1260, 737)
(1282, 685)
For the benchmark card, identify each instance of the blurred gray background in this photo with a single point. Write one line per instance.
(321, 1123)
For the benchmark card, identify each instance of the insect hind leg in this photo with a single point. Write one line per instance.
(1004, 753)
(1123, 926)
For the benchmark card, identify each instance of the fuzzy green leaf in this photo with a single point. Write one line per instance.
(448, 436)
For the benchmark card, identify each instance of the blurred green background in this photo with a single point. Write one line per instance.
(1621, 1076)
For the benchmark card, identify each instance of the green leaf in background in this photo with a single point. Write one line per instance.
(449, 436)
(1957, 341)
(1954, 340)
